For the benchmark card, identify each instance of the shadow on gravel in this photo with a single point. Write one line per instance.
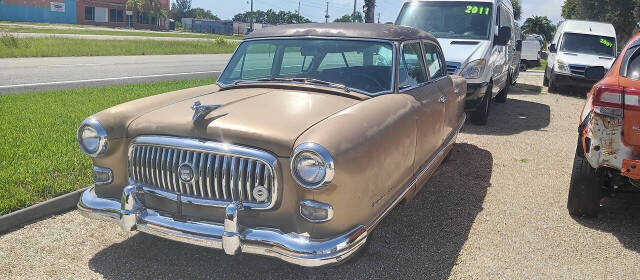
(619, 216)
(419, 240)
(513, 117)
(525, 89)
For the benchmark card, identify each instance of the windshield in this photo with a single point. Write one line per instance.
(360, 65)
(455, 20)
(589, 44)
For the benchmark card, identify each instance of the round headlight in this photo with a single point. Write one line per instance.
(92, 138)
(312, 166)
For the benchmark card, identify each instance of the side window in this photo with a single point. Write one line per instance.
(434, 61)
(633, 71)
(412, 70)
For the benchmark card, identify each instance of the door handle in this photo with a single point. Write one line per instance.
(443, 99)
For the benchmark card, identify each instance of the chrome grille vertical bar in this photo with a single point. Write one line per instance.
(242, 179)
(174, 163)
(209, 175)
(233, 181)
(158, 167)
(132, 164)
(224, 176)
(217, 177)
(152, 165)
(249, 180)
(267, 176)
(203, 174)
(187, 159)
(256, 181)
(167, 170)
(139, 163)
(196, 173)
(147, 163)
(175, 171)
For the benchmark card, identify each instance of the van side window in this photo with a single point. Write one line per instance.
(633, 71)
(434, 61)
(412, 69)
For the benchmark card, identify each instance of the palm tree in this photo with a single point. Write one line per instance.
(156, 8)
(539, 25)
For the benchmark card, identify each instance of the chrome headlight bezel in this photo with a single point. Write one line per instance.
(474, 69)
(93, 124)
(325, 161)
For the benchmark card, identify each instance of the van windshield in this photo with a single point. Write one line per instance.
(589, 44)
(455, 20)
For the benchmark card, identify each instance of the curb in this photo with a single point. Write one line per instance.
(27, 215)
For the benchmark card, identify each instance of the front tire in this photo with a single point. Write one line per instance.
(553, 85)
(481, 115)
(585, 189)
(546, 79)
(502, 96)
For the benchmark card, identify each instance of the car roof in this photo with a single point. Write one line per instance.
(589, 27)
(343, 30)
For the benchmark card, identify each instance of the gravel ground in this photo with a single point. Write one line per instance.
(495, 210)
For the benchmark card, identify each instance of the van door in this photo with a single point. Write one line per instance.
(504, 53)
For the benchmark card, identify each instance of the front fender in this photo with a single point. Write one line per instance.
(373, 146)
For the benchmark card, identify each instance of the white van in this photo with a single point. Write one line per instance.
(531, 52)
(477, 41)
(576, 46)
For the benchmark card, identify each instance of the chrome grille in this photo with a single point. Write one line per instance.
(222, 173)
(452, 67)
(577, 69)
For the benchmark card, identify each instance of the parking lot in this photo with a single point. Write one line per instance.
(496, 209)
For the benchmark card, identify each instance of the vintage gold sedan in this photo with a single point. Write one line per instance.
(312, 134)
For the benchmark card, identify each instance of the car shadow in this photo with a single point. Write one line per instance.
(420, 239)
(619, 216)
(525, 89)
(513, 117)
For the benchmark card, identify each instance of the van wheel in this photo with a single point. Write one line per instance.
(545, 82)
(553, 86)
(585, 189)
(481, 115)
(502, 96)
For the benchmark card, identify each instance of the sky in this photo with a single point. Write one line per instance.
(388, 9)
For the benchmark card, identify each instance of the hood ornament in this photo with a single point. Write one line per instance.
(200, 111)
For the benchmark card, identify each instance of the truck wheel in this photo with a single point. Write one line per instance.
(552, 84)
(585, 189)
(481, 115)
(545, 82)
(502, 96)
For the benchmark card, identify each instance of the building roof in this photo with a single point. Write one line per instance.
(343, 30)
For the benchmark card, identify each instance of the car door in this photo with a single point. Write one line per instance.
(450, 96)
(414, 81)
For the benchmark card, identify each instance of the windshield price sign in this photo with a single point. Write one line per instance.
(477, 10)
(606, 42)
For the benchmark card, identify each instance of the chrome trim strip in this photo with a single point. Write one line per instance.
(394, 58)
(294, 248)
(223, 180)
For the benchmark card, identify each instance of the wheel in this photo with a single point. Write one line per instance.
(552, 84)
(585, 189)
(502, 96)
(546, 79)
(481, 115)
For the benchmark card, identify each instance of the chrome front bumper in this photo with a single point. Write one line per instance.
(230, 236)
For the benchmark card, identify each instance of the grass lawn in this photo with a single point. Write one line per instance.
(543, 65)
(39, 157)
(11, 46)
(76, 29)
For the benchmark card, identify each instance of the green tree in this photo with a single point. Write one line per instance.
(201, 13)
(155, 5)
(517, 9)
(179, 9)
(271, 17)
(355, 17)
(539, 25)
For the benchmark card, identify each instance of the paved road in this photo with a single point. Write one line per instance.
(36, 74)
(495, 210)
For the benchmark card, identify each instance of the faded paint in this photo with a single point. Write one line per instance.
(606, 147)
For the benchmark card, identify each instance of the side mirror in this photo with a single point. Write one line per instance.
(553, 48)
(504, 35)
(595, 73)
(519, 45)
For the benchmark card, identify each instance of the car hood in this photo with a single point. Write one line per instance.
(271, 119)
(585, 59)
(463, 51)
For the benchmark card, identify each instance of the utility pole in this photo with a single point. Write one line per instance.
(251, 20)
(299, 7)
(369, 11)
(378, 17)
(353, 16)
(326, 15)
